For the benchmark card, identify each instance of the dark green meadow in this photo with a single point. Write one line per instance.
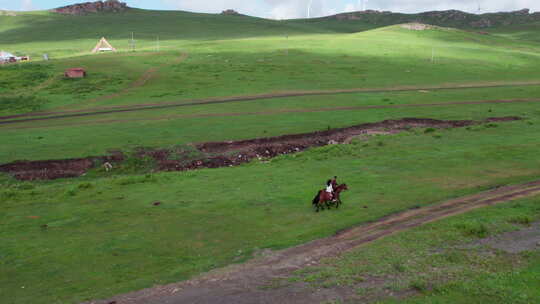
(72, 240)
(104, 236)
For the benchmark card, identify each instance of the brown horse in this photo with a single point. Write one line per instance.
(323, 198)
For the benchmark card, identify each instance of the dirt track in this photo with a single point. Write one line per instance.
(142, 80)
(153, 106)
(282, 111)
(230, 153)
(240, 284)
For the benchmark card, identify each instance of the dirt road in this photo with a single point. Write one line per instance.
(240, 284)
(196, 102)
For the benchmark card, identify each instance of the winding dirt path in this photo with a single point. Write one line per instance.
(141, 81)
(218, 100)
(240, 284)
(281, 111)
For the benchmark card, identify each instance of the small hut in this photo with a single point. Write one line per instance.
(7, 57)
(103, 46)
(75, 73)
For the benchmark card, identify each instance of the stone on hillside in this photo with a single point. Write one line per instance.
(230, 12)
(417, 26)
(110, 6)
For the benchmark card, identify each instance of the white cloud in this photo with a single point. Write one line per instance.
(27, 5)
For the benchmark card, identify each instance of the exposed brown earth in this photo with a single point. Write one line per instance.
(245, 283)
(217, 100)
(230, 153)
(527, 239)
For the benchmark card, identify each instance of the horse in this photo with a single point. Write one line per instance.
(323, 198)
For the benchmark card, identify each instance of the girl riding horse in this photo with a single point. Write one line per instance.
(323, 198)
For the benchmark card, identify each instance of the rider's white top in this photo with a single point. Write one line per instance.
(329, 189)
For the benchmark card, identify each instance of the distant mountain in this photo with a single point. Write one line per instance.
(449, 18)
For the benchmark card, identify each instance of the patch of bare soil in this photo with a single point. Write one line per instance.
(55, 169)
(254, 282)
(527, 239)
(232, 153)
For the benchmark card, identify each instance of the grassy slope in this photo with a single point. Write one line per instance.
(257, 62)
(40, 140)
(59, 35)
(438, 264)
(384, 57)
(128, 244)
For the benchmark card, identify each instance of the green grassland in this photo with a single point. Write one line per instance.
(105, 237)
(388, 57)
(440, 262)
(128, 244)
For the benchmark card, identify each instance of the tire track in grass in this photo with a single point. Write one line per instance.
(282, 111)
(242, 283)
(220, 100)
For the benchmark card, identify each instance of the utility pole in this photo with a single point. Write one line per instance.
(287, 46)
(132, 42)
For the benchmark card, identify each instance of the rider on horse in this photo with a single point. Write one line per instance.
(331, 185)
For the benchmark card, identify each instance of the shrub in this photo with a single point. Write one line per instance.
(71, 192)
(419, 285)
(521, 220)
(85, 186)
(430, 130)
(478, 230)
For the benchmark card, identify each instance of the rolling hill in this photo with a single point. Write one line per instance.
(219, 139)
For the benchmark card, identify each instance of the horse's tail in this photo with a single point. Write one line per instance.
(316, 199)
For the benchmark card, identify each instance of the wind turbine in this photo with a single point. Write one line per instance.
(310, 4)
(479, 7)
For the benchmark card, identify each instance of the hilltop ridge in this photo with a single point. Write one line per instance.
(451, 18)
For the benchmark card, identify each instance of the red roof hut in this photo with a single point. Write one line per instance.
(75, 73)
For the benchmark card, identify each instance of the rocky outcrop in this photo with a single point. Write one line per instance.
(109, 6)
(230, 12)
(449, 18)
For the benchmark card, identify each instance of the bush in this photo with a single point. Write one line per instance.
(521, 220)
(71, 192)
(419, 285)
(430, 130)
(85, 186)
(478, 230)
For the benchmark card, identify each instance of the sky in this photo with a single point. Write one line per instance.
(285, 9)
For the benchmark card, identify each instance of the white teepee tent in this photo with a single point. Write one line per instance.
(103, 46)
